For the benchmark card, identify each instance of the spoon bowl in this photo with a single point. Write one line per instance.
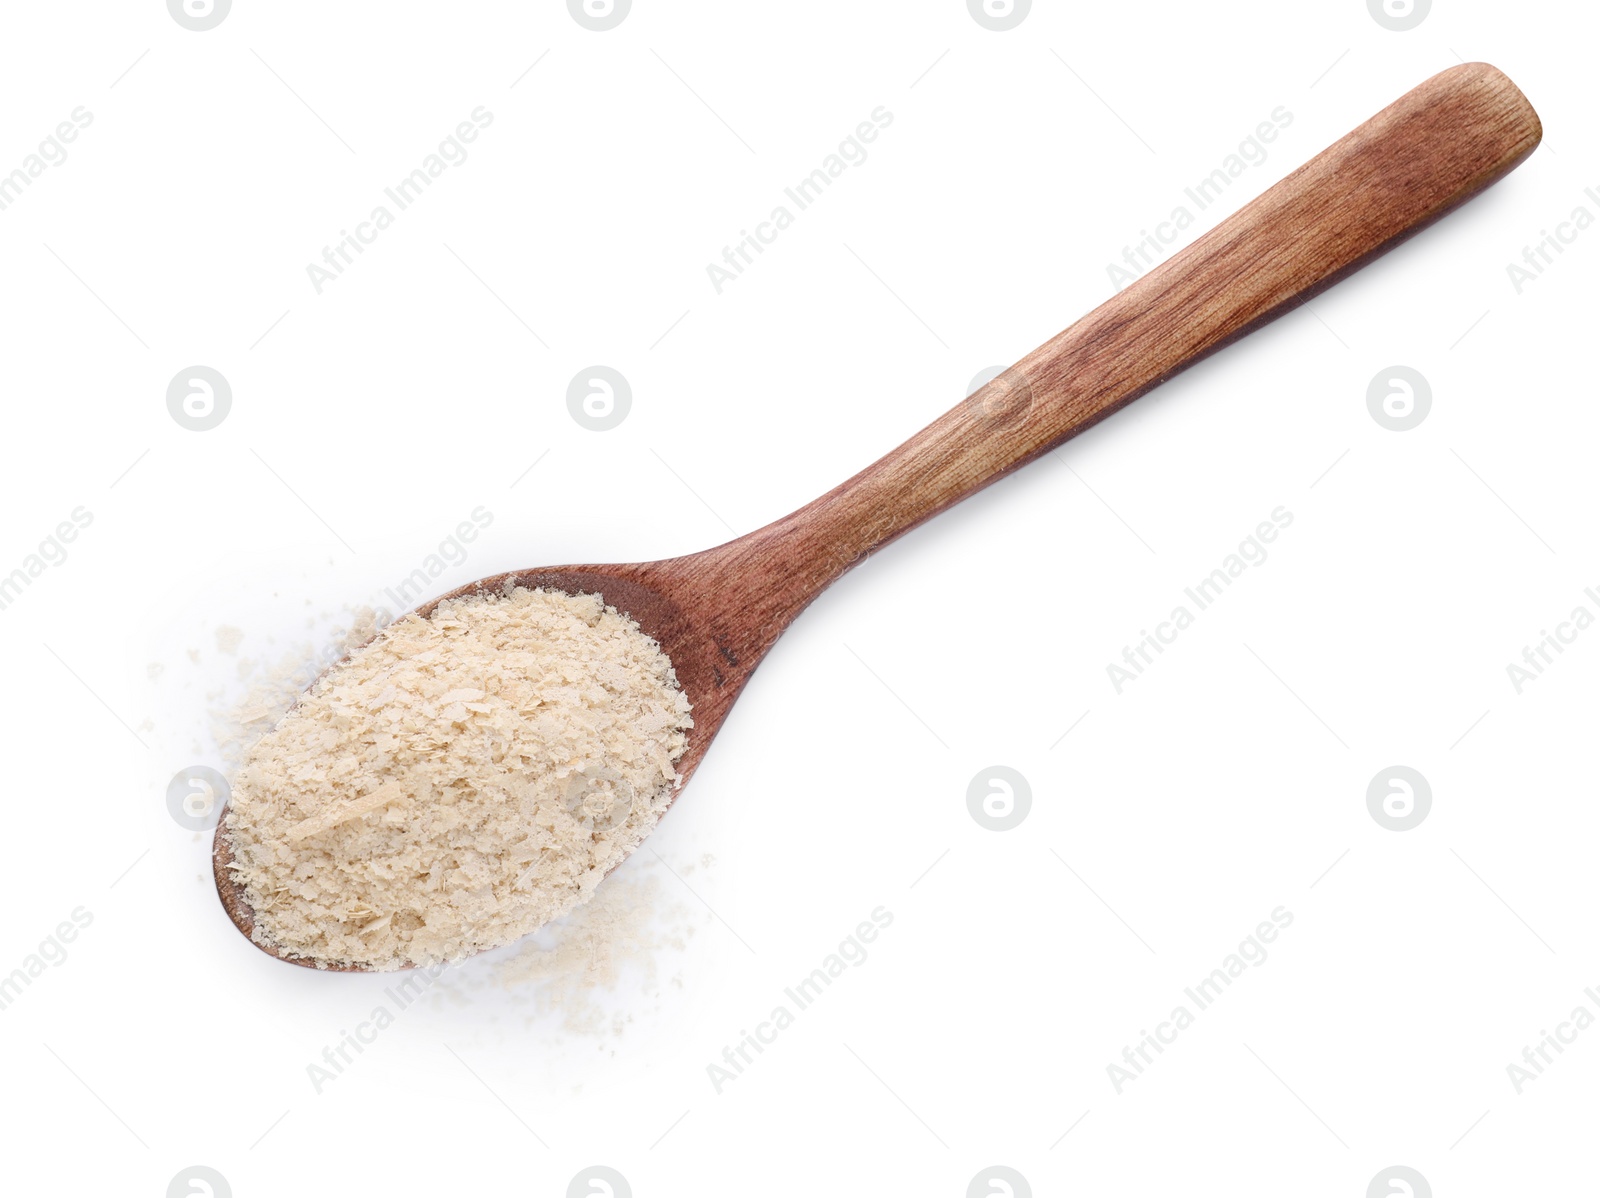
(711, 661)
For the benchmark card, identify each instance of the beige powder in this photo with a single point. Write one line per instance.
(598, 969)
(459, 782)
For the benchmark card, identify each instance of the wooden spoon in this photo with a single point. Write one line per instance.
(716, 613)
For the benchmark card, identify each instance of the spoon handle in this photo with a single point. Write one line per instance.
(1434, 148)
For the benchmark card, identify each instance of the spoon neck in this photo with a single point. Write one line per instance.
(789, 562)
(765, 579)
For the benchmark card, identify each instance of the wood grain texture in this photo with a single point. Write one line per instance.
(716, 613)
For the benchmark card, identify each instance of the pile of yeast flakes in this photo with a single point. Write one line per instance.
(459, 782)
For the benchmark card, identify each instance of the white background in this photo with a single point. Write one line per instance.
(1229, 780)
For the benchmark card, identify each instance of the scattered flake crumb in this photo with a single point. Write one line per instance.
(580, 966)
